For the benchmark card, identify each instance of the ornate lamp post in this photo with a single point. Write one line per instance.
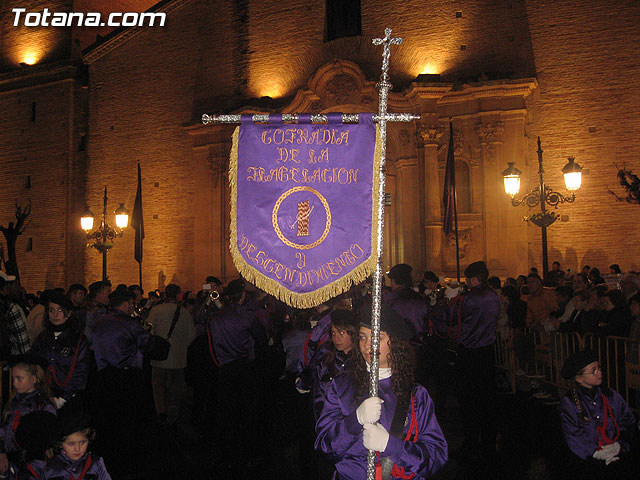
(543, 195)
(104, 235)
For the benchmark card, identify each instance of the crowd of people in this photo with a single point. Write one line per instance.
(92, 370)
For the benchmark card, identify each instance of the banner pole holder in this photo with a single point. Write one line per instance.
(381, 118)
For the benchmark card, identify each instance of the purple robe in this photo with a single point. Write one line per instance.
(61, 467)
(60, 354)
(235, 332)
(412, 307)
(316, 345)
(340, 434)
(21, 405)
(477, 313)
(323, 376)
(119, 341)
(581, 435)
(26, 473)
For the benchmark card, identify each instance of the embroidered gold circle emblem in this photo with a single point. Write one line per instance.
(276, 227)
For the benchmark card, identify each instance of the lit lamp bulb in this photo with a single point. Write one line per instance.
(572, 175)
(122, 216)
(86, 221)
(511, 179)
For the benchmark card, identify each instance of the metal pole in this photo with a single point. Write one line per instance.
(104, 237)
(543, 208)
(315, 118)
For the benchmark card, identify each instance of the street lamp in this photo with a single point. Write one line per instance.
(543, 195)
(104, 235)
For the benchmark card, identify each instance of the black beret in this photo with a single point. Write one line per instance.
(28, 359)
(234, 287)
(61, 299)
(72, 423)
(390, 321)
(576, 362)
(476, 269)
(431, 277)
(400, 271)
(37, 432)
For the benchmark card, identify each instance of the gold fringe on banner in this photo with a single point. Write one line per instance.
(272, 287)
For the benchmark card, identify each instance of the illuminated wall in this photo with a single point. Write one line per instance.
(148, 89)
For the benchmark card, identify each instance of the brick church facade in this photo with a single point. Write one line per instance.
(80, 111)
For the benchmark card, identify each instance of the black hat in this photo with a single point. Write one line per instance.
(72, 423)
(390, 321)
(28, 359)
(400, 271)
(61, 299)
(37, 432)
(576, 362)
(234, 287)
(118, 297)
(429, 276)
(476, 269)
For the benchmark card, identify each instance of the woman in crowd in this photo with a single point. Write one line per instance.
(400, 424)
(515, 307)
(344, 335)
(597, 424)
(66, 350)
(617, 315)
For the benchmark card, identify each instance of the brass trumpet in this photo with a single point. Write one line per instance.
(214, 295)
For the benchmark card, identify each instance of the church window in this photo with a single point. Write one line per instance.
(343, 19)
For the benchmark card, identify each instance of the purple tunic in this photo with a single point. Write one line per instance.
(340, 434)
(21, 405)
(581, 435)
(477, 312)
(33, 470)
(235, 332)
(61, 354)
(61, 467)
(412, 307)
(119, 340)
(323, 377)
(315, 347)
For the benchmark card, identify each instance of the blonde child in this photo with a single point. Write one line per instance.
(30, 393)
(74, 460)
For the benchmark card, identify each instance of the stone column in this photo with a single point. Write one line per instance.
(491, 139)
(428, 135)
(407, 198)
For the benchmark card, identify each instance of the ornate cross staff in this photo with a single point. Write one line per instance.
(302, 220)
(384, 87)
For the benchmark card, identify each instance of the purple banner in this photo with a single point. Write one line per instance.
(303, 206)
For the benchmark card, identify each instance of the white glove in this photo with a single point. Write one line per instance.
(611, 460)
(369, 411)
(59, 402)
(300, 390)
(607, 453)
(375, 437)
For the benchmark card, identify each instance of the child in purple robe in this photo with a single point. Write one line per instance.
(400, 424)
(597, 424)
(36, 435)
(30, 393)
(74, 460)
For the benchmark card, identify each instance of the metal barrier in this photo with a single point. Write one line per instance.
(542, 354)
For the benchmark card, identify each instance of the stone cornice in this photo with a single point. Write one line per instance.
(38, 75)
(123, 34)
(495, 89)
